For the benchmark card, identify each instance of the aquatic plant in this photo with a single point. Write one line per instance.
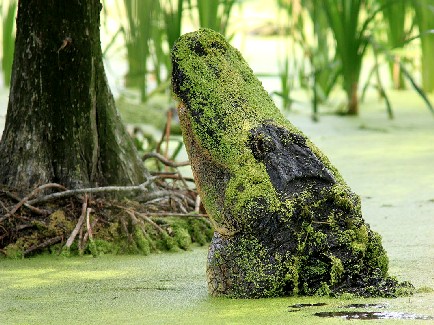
(8, 39)
(214, 14)
(424, 17)
(350, 29)
(138, 34)
(395, 14)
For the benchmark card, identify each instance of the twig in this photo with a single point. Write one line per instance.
(89, 228)
(86, 235)
(68, 193)
(168, 124)
(136, 221)
(164, 160)
(180, 204)
(78, 225)
(155, 195)
(133, 213)
(147, 219)
(28, 206)
(33, 193)
(197, 204)
(176, 214)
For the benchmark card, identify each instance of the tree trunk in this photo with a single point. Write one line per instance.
(62, 124)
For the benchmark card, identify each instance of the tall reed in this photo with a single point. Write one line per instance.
(395, 14)
(8, 39)
(167, 30)
(424, 10)
(138, 35)
(215, 14)
(349, 30)
(172, 11)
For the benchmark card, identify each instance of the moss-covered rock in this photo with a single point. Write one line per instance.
(286, 222)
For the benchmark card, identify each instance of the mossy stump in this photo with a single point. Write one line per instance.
(286, 222)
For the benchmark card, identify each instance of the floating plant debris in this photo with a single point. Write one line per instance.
(308, 305)
(369, 315)
(365, 306)
(297, 307)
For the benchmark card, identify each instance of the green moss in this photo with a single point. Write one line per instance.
(315, 226)
(141, 241)
(376, 255)
(200, 231)
(224, 101)
(13, 251)
(183, 239)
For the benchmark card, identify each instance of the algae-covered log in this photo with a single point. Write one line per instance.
(286, 222)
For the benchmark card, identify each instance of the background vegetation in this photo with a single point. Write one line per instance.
(339, 38)
(329, 48)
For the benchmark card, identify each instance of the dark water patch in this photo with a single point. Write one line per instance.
(372, 315)
(365, 306)
(308, 305)
(298, 307)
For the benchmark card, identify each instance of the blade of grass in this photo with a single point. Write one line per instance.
(8, 41)
(424, 17)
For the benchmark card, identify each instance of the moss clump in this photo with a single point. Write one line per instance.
(285, 220)
(118, 234)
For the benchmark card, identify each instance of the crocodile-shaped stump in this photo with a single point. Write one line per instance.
(286, 222)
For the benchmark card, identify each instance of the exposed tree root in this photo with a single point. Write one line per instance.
(112, 219)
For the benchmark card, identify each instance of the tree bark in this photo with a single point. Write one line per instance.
(62, 125)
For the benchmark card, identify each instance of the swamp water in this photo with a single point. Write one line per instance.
(388, 163)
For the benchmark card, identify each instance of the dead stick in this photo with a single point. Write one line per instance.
(168, 124)
(86, 235)
(90, 190)
(89, 228)
(136, 221)
(176, 214)
(46, 243)
(78, 225)
(156, 195)
(197, 204)
(33, 193)
(28, 206)
(147, 219)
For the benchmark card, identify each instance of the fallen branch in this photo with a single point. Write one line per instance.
(158, 195)
(28, 197)
(147, 219)
(175, 214)
(77, 228)
(88, 226)
(46, 243)
(27, 205)
(87, 235)
(197, 204)
(92, 190)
